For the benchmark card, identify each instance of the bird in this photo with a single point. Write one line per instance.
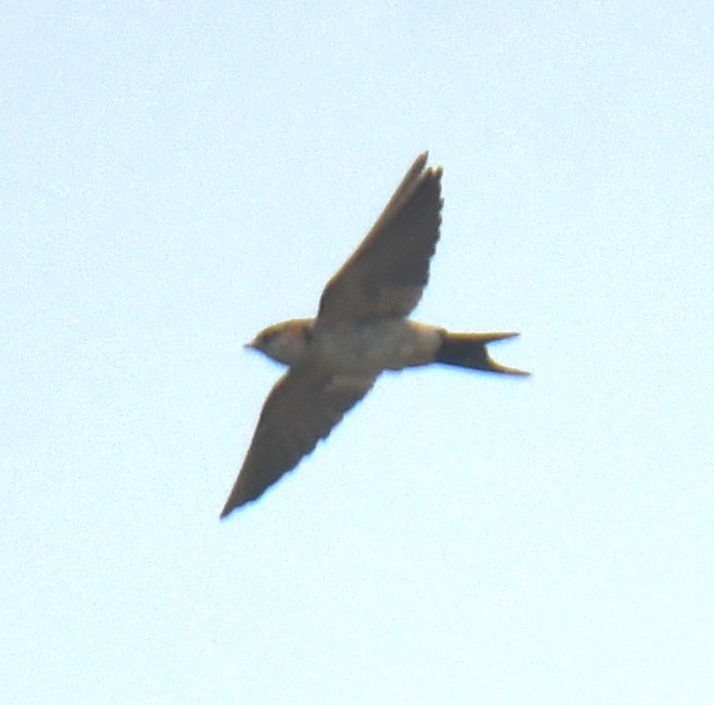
(362, 328)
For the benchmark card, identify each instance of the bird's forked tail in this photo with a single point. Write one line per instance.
(469, 350)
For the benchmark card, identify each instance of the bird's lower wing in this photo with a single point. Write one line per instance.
(302, 408)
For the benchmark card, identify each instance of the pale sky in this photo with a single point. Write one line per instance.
(176, 176)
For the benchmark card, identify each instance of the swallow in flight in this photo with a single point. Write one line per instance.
(361, 329)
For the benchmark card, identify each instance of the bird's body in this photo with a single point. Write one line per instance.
(369, 346)
(360, 331)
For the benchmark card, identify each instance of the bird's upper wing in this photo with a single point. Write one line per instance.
(388, 271)
(302, 408)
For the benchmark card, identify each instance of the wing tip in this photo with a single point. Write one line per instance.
(237, 498)
(227, 509)
(419, 166)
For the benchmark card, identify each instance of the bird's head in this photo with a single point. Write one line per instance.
(284, 342)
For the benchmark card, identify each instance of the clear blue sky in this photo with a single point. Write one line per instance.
(176, 176)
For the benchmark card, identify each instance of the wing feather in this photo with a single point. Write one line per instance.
(389, 270)
(302, 408)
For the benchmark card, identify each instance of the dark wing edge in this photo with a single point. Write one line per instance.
(400, 196)
(302, 408)
(389, 269)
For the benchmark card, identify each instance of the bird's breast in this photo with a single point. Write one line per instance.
(375, 345)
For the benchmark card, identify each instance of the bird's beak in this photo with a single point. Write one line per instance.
(251, 345)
